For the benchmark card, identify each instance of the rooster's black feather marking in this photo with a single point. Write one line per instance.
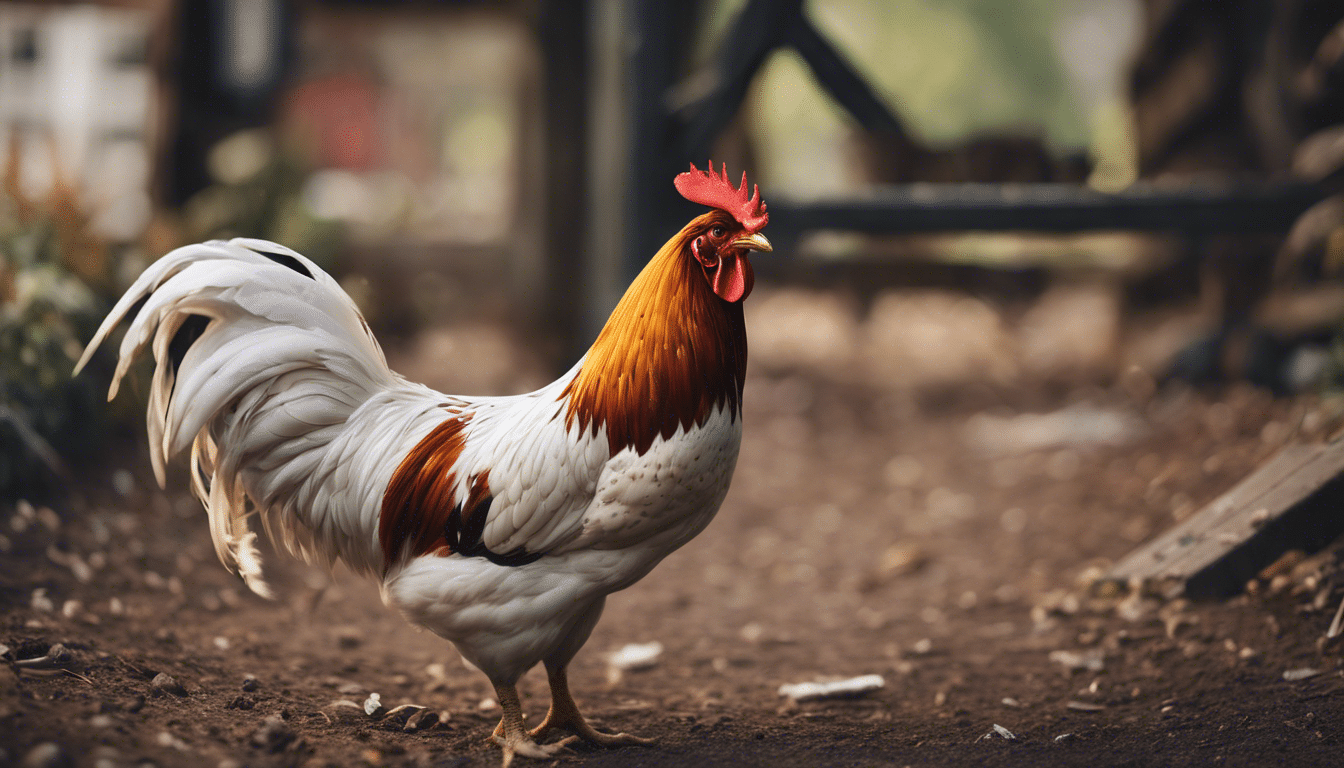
(464, 537)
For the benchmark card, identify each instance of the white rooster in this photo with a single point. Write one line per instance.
(498, 523)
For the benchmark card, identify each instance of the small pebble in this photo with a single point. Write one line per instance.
(250, 683)
(1004, 732)
(101, 721)
(167, 684)
(1092, 659)
(82, 571)
(168, 740)
(1082, 706)
(488, 705)
(752, 632)
(636, 656)
(123, 482)
(107, 757)
(241, 702)
(47, 755)
(373, 706)
(1293, 675)
(40, 602)
(855, 686)
(48, 517)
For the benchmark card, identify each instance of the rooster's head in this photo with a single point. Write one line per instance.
(720, 240)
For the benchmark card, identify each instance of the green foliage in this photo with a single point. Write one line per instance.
(58, 280)
(47, 312)
(952, 71)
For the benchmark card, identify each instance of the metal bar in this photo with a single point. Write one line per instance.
(842, 81)
(1051, 208)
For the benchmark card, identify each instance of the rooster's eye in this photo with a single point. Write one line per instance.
(717, 232)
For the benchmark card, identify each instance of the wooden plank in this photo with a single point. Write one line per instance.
(1051, 207)
(1291, 502)
(1170, 554)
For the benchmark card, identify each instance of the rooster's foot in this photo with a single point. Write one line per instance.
(526, 747)
(584, 732)
(511, 735)
(564, 715)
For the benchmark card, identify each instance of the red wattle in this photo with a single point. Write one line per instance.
(733, 278)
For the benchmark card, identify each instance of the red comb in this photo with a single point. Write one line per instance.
(706, 188)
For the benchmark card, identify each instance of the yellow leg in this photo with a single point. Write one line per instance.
(510, 734)
(564, 714)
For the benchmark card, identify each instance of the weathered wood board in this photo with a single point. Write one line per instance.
(1294, 501)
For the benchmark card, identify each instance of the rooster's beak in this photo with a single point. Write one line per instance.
(755, 242)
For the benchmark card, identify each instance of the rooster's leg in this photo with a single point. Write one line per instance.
(564, 714)
(511, 736)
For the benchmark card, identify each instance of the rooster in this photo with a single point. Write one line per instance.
(498, 523)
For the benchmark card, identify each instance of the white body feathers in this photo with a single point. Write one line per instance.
(291, 412)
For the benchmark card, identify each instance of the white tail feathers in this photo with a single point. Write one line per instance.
(280, 360)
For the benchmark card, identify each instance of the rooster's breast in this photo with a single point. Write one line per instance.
(654, 502)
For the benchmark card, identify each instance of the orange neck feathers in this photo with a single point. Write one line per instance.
(671, 353)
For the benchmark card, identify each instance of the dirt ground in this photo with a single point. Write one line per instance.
(933, 537)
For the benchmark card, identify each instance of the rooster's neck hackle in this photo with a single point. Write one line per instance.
(670, 354)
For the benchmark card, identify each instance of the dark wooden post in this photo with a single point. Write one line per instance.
(564, 37)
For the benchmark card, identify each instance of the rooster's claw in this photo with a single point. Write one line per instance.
(526, 747)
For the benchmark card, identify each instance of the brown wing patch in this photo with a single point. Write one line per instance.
(419, 514)
(420, 496)
(671, 352)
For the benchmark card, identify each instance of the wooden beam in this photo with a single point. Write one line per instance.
(1291, 502)
(910, 208)
(563, 32)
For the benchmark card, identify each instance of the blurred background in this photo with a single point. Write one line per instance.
(1020, 194)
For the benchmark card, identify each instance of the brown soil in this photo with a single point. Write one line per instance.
(952, 572)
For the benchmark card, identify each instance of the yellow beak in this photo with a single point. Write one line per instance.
(756, 242)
